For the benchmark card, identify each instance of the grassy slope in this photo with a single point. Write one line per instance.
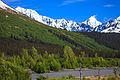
(22, 28)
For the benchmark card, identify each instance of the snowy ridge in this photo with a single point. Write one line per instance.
(110, 26)
(61, 23)
(92, 24)
(30, 13)
(58, 23)
(4, 6)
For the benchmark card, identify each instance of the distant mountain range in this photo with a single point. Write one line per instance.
(90, 25)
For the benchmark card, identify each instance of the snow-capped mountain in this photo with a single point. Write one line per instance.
(58, 23)
(92, 24)
(92, 21)
(110, 26)
(69, 25)
(4, 6)
(30, 13)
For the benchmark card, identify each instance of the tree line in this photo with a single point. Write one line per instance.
(19, 66)
(111, 40)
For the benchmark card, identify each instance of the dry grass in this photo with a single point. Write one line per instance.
(102, 78)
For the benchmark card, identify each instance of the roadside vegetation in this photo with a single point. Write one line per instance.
(19, 66)
(84, 78)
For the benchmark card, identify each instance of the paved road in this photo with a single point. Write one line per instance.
(76, 73)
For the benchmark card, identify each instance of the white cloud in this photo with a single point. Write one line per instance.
(67, 2)
(108, 5)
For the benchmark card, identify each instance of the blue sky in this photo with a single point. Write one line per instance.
(77, 10)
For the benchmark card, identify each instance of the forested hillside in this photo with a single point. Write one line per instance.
(19, 31)
(111, 40)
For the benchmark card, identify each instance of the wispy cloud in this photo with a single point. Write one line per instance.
(67, 2)
(109, 5)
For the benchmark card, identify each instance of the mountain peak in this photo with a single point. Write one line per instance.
(93, 18)
(92, 21)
